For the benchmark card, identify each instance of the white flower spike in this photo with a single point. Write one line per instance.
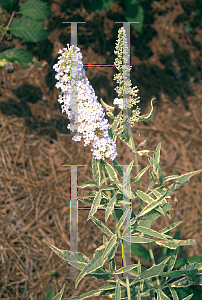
(91, 122)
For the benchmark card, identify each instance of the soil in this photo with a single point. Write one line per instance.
(35, 187)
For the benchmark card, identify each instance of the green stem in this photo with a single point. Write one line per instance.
(142, 206)
(137, 167)
(121, 243)
(153, 261)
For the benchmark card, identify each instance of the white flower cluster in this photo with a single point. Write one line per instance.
(124, 71)
(75, 86)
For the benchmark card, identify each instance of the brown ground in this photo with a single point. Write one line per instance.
(35, 194)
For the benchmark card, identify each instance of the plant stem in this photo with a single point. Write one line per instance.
(121, 243)
(137, 167)
(140, 187)
(153, 261)
(7, 27)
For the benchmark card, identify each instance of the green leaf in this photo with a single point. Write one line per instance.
(115, 124)
(153, 215)
(140, 174)
(118, 167)
(59, 295)
(188, 297)
(96, 292)
(174, 293)
(161, 295)
(143, 152)
(182, 179)
(172, 260)
(112, 175)
(110, 207)
(99, 257)
(112, 264)
(19, 56)
(29, 30)
(156, 170)
(148, 116)
(118, 291)
(102, 227)
(95, 204)
(152, 232)
(137, 239)
(126, 269)
(184, 260)
(170, 227)
(88, 183)
(75, 259)
(152, 205)
(50, 293)
(126, 176)
(175, 243)
(140, 251)
(112, 243)
(186, 281)
(8, 4)
(122, 219)
(157, 153)
(36, 10)
(154, 271)
(110, 114)
(111, 108)
(134, 13)
(96, 170)
(101, 5)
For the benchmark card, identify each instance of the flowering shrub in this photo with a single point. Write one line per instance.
(96, 130)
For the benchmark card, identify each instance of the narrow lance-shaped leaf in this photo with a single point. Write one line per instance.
(126, 176)
(110, 207)
(59, 295)
(99, 257)
(172, 260)
(95, 204)
(152, 232)
(118, 167)
(118, 291)
(126, 269)
(137, 239)
(76, 259)
(157, 153)
(96, 292)
(148, 116)
(49, 296)
(151, 272)
(139, 175)
(174, 293)
(173, 244)
(152, 205)
(88, 183)
(102, 227)
(161, 295)
(186, 281)
(157, 170)
(188, 297)
(182, 179)
(170, 227)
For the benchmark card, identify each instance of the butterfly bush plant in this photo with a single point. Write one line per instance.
(160, 280)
